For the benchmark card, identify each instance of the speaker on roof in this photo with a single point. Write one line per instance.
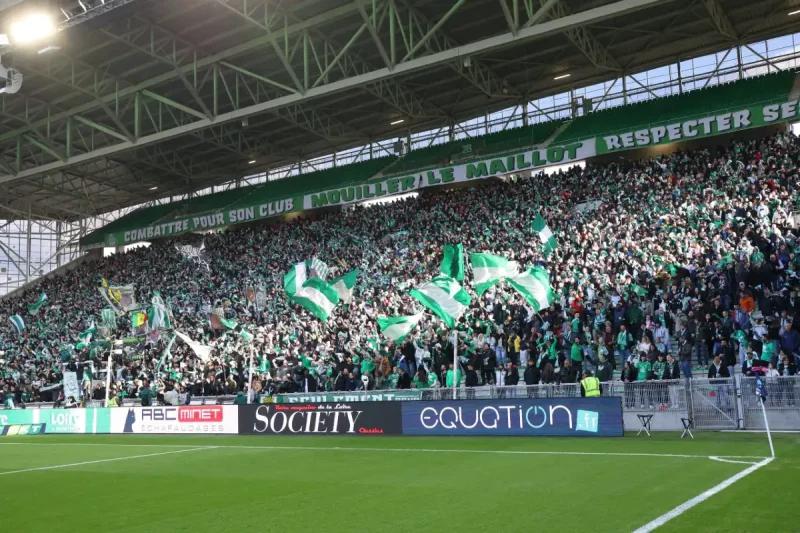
(399, 147)
(587, 105)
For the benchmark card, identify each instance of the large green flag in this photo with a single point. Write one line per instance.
(344, 286)
(238, 328)
(534, 286)
(318, 297)
(294, 279)
(540, 227)
(444, 297)
(453, 262)
(34, 309)
(490, 269)
(396, 328)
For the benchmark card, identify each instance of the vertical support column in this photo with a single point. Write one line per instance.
(58, 243)
(624, 88)
(28, 247)
(680, 77)
(739, 61)
(525, 113)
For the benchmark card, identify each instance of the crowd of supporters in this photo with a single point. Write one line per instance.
(662, 265)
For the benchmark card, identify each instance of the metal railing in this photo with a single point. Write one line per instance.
(715, 404)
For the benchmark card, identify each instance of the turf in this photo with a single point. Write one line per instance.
(340, 484)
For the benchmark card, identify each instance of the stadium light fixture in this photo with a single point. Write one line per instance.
(154, 188)
(32, 28)
(399, 121)
(562, 76)
(251, 162)
(794, 12)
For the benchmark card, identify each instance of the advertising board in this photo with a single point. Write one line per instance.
(332, 397)
(202, 419)
(586, 417)
(22, 429)
(63, 421)
(356, 418)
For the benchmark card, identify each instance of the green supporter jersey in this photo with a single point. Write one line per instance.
(147, 396)
(643, 368)
(367, 365)
(419, 384)
(768, 351)
(576, 354)
(392, 379)
(658, 369)
(450, 378)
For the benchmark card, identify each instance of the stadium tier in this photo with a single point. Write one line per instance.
(638, 271)
(748, 103)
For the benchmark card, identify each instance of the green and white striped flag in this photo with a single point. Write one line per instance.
(545, 235)
(18, 323)
(453, 262)
(344, 286)
(109, 319)
(294, 279)
(490, 269)
(318, 267)
(444, 297)
(396, 328)
(534, 286)
(318, 297)
(86, 336)
(34, 309)
(202, 351)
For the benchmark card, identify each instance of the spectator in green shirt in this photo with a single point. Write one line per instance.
(576, 355)
(146, 394)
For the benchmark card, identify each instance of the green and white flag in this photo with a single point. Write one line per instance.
(397, 327)
(18, 323)
(545, 235)
(534, 286)
(490, 269)
(639, 290)
(86, 337)
(158, 317)
(317, 297)
(444, 297)
(294, 279)
(34, 309)
(344, 286)
(202, 351)
(453, 262)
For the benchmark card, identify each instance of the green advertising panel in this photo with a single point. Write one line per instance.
(64, 421)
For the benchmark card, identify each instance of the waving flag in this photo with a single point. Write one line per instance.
(545, 235)
(453, 262)
(534, 286)
(34, 309)
(444, 297)
(17, 322)
(318, 297)
(490, 269)
(396, 328)
(344, 286)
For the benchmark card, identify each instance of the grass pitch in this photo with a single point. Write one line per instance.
(395, 484)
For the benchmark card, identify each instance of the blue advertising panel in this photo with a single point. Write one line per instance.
(555, 417)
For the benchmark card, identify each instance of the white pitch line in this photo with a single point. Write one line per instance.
(723, 460)
(54, 467)
(682, 508)
(366, 449)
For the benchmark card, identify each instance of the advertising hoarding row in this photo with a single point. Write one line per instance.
(579, 417)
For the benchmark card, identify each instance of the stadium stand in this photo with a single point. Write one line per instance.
(690, 255)
(752, 91)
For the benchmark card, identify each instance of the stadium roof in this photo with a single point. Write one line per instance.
(142, 99)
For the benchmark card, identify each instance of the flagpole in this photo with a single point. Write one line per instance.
(250, 376)
(455, 365)
(108, 376)
(766, 425)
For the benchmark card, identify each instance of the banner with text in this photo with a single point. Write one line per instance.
(339, 418)
(697, 127)
(326, 397)
(200, 419)
(205, 222)
(474, 170)
(64, 421)
(565, 417)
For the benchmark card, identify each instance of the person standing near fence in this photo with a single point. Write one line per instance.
(590, 386)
